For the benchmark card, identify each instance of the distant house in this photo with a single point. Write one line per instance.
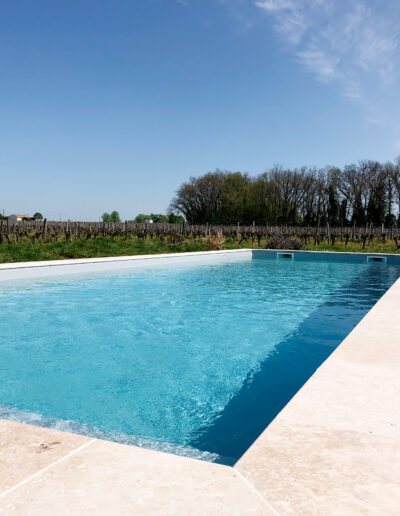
(18, 218)
(148, 221)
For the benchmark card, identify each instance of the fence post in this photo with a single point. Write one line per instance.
(44, 232)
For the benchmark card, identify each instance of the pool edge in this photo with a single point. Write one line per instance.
(108, 259)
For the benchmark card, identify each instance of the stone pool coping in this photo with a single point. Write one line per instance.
(333, 449)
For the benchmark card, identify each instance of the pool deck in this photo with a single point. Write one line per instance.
(334, 449)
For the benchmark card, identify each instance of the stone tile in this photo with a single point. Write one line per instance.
(349, 396)
(312, 470)
(108, 478)
(26, 449)
(376, 341)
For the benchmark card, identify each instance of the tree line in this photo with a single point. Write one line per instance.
(363, 193)
(170, 218)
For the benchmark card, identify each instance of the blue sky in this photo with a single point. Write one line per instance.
(113, 104)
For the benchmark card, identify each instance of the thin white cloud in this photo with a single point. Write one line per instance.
(242, 11)
(354, 43)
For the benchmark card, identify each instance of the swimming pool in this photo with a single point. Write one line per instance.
(195, 359)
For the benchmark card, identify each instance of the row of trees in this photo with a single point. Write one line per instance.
(368, 192)
(111, 217)
(171, 218)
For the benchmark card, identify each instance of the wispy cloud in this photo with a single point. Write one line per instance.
(242, 11)
(355, 44)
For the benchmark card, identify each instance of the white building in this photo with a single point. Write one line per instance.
(18, 218)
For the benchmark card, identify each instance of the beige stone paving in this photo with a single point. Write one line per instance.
(315, 470)
(26, 449)
(106, 478)
(355, 397)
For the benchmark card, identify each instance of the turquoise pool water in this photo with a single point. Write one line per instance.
(194, 359)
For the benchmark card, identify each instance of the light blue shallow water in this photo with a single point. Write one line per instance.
(159, 357)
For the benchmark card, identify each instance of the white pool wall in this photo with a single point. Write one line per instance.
(25, 270)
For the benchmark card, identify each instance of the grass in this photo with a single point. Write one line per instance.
(98, 247)
(376, 246)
